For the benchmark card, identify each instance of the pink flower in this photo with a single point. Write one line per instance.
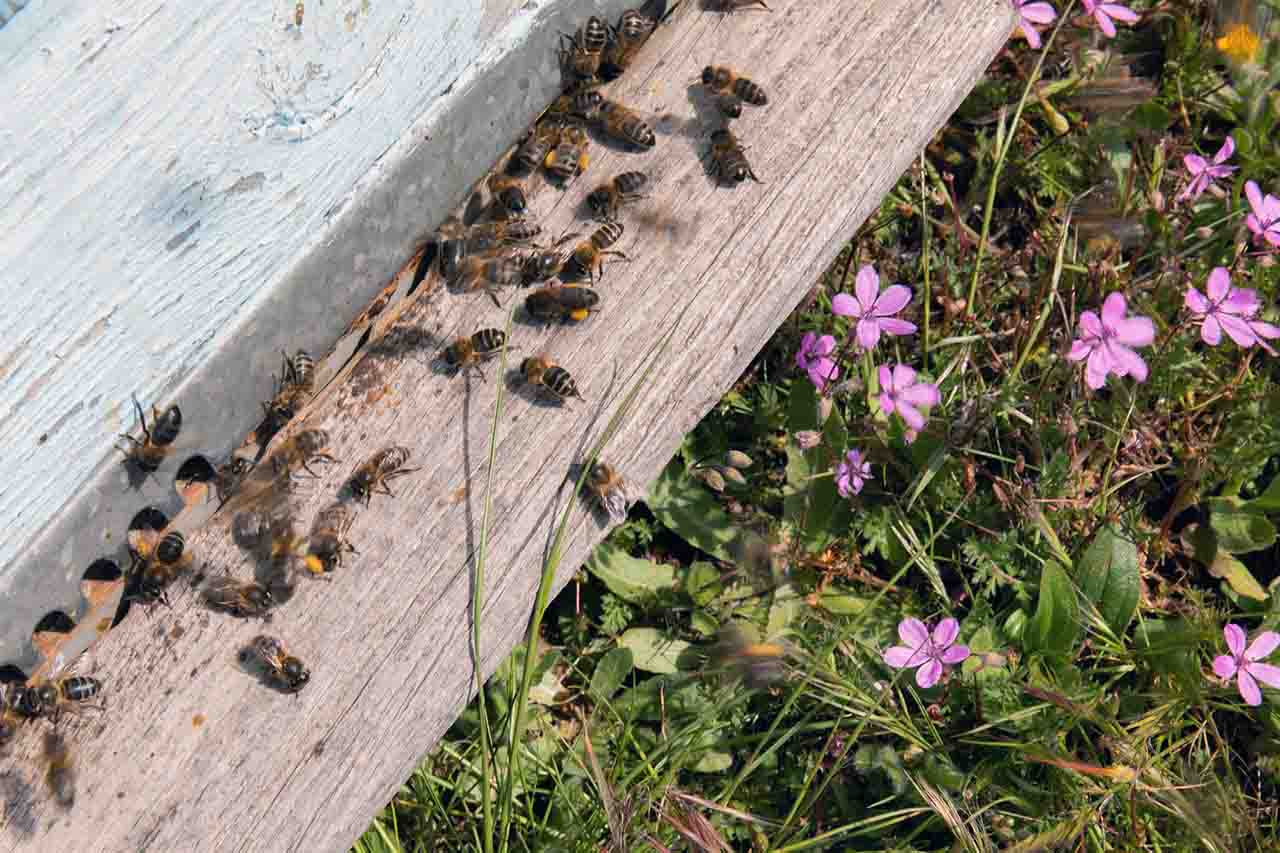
(813, 357)
(1030, 14)
(1245, 664)
(929, 652)
(899, 392)
(1107, 343)
(872, 309)
(1104, 13)
(1264, 221)
(852, 474)
(1203, 174)
(1231, 309)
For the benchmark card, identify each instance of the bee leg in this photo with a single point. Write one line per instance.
(142, 418)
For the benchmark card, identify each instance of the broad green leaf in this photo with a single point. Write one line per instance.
(786, 606)
(802, 407)
(611, 670)
(1170, 647)
(842, 603)
(1107, 573)
(652, 651)
(1239, 528)
(703, 582)
(1268, 501)
(1201, 540)
(713, 762)
(1237, 575)
(1053, 628)
(704, 623)
(630, 578)
(688, 509)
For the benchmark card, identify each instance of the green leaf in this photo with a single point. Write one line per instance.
(842, 604)
(1239, 528)
(1108, 575)
(611, 670)
(1237, 576)
(703, 582)
(802, 408)
(1053, 628)
(713, 762)
(704, 623)
(688, 509)
(787, 605)
(651, 651)
(1170, 647)
(1268, 501)
(630, 578)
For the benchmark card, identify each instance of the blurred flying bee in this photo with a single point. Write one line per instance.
(562, 303)
(536, 145)
(467, 353)
(282, 670)
(489, 273)
(299, 9)
(244, 600)
(606, 200)
(158, 559)
(585, 48)
(382, 467)
(60, 774)
(758, 664)
(729, 161)
(624, 124)
(328, 540)
(588, 256)
(545, 375)
(609, 490)
(731, 6)
(157, 440)
(61, 690)
(568, 158)
(293, 389)
(731, 90)
(301, 449)
(509, 199)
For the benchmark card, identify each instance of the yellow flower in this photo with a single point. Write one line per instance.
(1240, 43)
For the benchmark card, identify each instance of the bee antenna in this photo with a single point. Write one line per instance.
(142, 417)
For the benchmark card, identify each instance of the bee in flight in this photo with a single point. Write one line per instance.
(585, 48)
(732, 91)
(63, 689)
(60, 773)
(728, 160)
(149, 452)
(607, 487)
(293, 389)
(562, 303)
(758, 664)
(282, 670)
(468, 353)
(158, 558)
(545, 375)
(568, 158)
(328, 541)
(373, 475)
(588, 256)
(244, 600)
(606, 200)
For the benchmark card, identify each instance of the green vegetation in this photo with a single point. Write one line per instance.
(1093, 496)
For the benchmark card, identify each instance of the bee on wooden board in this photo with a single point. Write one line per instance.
(301, 449)
(545, 375)
(509, 199)
(533, 149)
(382, 467)
(585, 48)
(467, 353)
(157, 440)
(728, 160)
(158, 558)
(293, 389)
(242, 599)
(731, 90)
(284, 671)
(607, 487)
(63, 689)
(545, 263)
(624, 124)
(60, 772)
(562, 303)
(489, 273)
(588, 256)
(328, 541)
(606, 200)
(632, 32)
(569, 157)
(9, 719)
(731, 6)
(228, 476)
(458, 242)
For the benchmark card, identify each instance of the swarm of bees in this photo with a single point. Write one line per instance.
(495, 249)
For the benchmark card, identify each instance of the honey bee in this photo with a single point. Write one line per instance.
(584, 105)
(467, 353)
(533, 149)
(606, 200)
(589, 255)
(383, 466)
(244, 600)
(229, 475)
(157, 440)
(510, 202)
(328, 541)
(732, 89)
(633, 30)
(562, 303)
(284, 671)
(158, 559)
(729, 161)
(544, 374)
(61, 773)
(293, 389)
(9, 719)
(61, 690)
(545, 264)
(299, 9)
(758, 664)
(624, 124)
(489, 274)
(731, 6)
(582, 56)
(458, 243)
(301, 449)
(568, 158)
(609, 489)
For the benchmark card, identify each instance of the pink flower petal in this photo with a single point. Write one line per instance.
(1224, 153)
(886, 378)
(913, 633)
(1037, 13)
(1195, 163)
(1126, 362)
(1113, 310)
(1266, 673)
(893, 300)
(928, 675)
(1211, 332)
(955, 654)
(1120, 13)
(1244, 683)
(1090, 325)
(868, 333)
(1030, 34)
(945, 633)
(921, 394)
(1254, 225)
(886, 404)
(1224, 666)
(1242, 301)
(826, 345)
(1254, 195)
(898, 656)
(1235, 638)
(1238, 330)
(1135, 331)
(1196, 301)
(867, 287)
(894, 326)
(845, 305)
(1265, 330)
(913, 418)
(1079, 351)
(903, 377)
(1095, 369)
(1262, 646)
(1104, 23)
(1218, 284)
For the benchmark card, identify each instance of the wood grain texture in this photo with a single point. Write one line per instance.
(194, 754)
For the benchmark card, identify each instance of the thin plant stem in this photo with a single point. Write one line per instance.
(1048, 303)
(924, 254)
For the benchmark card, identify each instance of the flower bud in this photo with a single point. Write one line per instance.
(738, 459)
(807, 439)
(1204, 232)
(733, 475)
(712, 478)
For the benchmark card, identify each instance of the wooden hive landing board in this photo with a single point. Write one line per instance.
(193, 754)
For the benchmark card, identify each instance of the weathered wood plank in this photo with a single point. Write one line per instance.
(193, 754)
